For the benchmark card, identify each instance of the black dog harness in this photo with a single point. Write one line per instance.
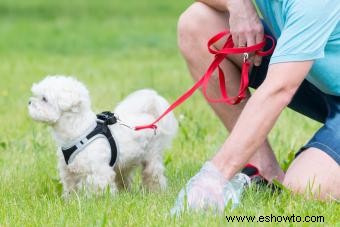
(101, 130)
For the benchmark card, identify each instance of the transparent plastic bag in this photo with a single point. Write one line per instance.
(208, 190)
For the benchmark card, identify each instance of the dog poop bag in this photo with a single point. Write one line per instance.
(208, 190)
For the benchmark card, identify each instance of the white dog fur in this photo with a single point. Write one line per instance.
(64, 103)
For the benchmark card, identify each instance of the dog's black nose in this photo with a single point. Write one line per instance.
(29, 102)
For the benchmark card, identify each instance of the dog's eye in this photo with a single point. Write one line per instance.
(44, 99)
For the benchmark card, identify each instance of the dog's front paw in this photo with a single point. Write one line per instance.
(98, 184)
(66, 195)
(153, 176)
(155, 183)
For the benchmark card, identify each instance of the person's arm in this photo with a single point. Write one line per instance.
(303, 39)
(260, 115)
(244, 23)
(217, 184)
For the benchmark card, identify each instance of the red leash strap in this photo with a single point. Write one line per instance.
(220, 55)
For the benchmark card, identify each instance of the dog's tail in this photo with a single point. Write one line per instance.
(155, 106)
(149, 103)
(167, 127)
(168, 124)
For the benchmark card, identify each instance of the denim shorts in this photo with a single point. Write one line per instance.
(313, 103)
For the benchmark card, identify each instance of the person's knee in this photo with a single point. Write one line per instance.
(314, 174)
(290, 181)
(308, 186)
(189, 27)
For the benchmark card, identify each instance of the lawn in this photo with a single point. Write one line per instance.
(115, 48)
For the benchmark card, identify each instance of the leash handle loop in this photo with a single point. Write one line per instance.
(220, 55)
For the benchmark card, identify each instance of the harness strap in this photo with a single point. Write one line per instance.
(102, 130)
(220, 55)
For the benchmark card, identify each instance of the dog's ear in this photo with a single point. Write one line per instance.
(70, 101)
(73, 95)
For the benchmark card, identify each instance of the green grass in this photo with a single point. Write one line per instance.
(115, 48)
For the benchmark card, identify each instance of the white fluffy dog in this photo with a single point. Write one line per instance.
(64, 104)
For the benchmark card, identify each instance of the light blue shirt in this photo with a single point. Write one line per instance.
(307, 30)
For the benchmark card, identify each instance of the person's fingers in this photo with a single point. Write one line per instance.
(250, 39)
(257, 60)
(259, 34)
(259, 38)
(242, 41)
(235, 39)
(251, 42)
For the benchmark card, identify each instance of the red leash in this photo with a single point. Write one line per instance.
(220, 55)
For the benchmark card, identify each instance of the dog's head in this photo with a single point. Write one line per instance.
(55, 96)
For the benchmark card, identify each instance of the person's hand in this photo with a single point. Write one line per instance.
(209, 190)
(245, 25)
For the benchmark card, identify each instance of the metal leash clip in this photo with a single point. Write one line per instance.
(155, 131)
(245, 57)
(119, 121)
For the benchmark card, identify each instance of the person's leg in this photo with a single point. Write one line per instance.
(313, 171)
(196, 25)
(317, 166)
